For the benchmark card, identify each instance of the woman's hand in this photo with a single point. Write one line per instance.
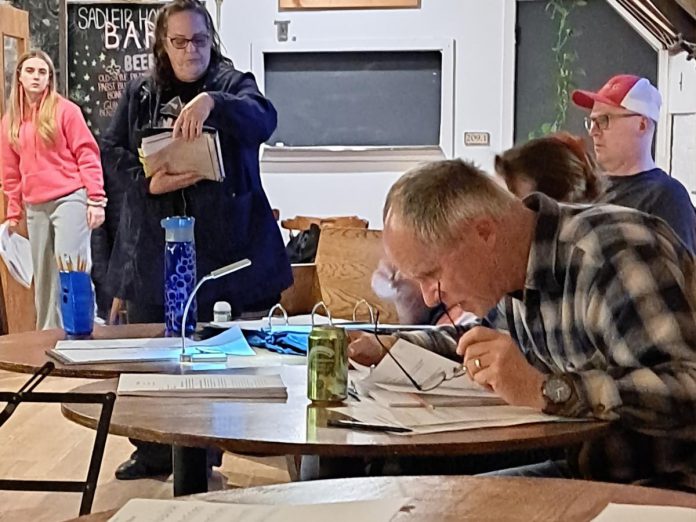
(13, 225)
(189, 124)
(364, 348)
(162, 182)
(95, 216)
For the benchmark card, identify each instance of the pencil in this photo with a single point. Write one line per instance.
(422, 401)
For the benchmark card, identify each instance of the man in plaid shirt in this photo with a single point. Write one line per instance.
(602, 322)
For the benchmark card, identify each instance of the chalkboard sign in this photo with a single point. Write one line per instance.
(108, 44)
(346, 98)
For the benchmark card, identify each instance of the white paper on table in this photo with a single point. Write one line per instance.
(231, 342)
(206, 385)
(147, 510)
(115, 355)
(421, 364)
(411, 399)
(16, 253)
(424, 420)
(635, 513)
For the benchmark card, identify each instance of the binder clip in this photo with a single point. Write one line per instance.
(370, 309)
(272, 311)
(322, 304)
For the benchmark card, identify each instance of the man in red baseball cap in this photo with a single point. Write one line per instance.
(624, 113)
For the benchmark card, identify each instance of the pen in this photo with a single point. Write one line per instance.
(422, 401)
(355, 425)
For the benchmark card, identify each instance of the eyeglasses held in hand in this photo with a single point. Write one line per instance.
(198, 41)
(431, 382)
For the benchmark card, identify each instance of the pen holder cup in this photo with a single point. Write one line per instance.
(77, 304)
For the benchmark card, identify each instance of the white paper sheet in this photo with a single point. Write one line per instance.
(229, 342)
(424, 420)
(422, 365)
(406, 398)
(142, 510)
(634, 513)
(206, 385)
(16, 253)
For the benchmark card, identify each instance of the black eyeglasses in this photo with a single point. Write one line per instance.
(431, 382)
(602, 121)
(198, 41)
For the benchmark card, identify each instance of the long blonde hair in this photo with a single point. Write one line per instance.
(45, 116)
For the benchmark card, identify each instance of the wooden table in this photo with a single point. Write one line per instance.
(456, 498)
(26, 352)
(294, 427)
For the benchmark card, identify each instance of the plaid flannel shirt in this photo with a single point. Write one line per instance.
(610, 302)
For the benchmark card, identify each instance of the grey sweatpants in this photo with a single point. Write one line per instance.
(56, 229)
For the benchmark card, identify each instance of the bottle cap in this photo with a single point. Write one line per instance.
(178, 228)
(222, 307)
(222, 311)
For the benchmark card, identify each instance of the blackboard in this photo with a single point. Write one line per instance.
(372, 98)
(108, 44)
(606, 45)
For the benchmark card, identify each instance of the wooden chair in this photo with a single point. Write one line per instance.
(303, 222)
(346, 259)
(305, 292)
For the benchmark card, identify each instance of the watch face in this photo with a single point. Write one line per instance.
(557, 389)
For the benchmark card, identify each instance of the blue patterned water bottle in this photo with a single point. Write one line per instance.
(179, 273)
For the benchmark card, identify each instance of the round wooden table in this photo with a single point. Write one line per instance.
(295, 427)
(456, 498)
(26, 352)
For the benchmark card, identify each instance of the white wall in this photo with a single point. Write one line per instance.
(681, 108)
(483, 31)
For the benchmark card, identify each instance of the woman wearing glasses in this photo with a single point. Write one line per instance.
(192, 85)
(51, 170)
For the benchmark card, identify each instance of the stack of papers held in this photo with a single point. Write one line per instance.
(16, 253)
(203, 385)
(176, 156)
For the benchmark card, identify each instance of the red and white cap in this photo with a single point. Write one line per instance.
(631, 92)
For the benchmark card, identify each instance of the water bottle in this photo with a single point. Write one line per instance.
(179, 274)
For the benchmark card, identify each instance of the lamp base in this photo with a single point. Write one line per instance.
(202, 357)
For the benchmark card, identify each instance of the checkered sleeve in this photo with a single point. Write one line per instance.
(441, 340)
(640, 315)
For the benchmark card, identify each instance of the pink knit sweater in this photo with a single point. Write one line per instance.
(34, 173)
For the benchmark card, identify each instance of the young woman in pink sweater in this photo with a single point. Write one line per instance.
(51, 169)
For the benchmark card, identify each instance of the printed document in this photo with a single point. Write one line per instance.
(229, 342)
(202, 385)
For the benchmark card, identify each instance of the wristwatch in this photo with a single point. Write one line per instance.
(557, 390)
